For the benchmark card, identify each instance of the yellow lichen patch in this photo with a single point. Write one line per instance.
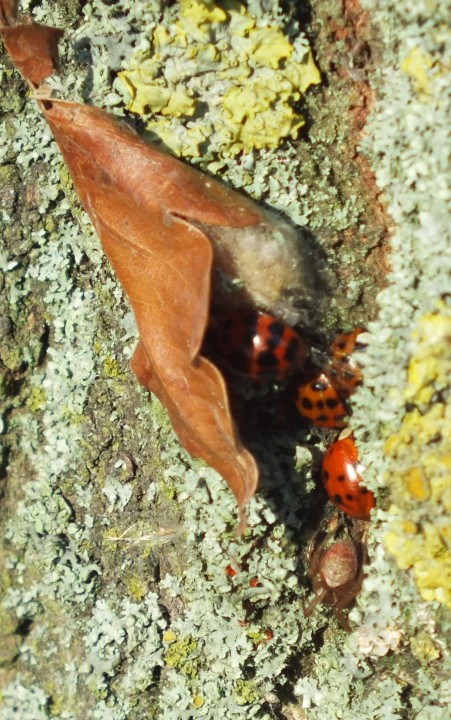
(36, 399)
(427, 554)
(111, 367)
(417, 484)
(423, 648)
(214, 81)
(169, 636)
(416, 65)
(147, 91)
(183, 654)
(429, 368)
(420, 461)
(246, 692)
(137, 588)
(198, 15)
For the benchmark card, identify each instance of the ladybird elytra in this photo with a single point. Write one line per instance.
(318, 401)
(342, 368)
(259, 345)
(342, 478)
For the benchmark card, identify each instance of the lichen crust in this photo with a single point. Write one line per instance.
(215, 80)
(419, 467)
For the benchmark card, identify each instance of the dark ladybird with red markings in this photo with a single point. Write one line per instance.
(259, 345)
(342, 478)
(318, 401)
(343, 369)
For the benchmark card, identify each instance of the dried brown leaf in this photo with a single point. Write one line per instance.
(33, 48)
(149, 210)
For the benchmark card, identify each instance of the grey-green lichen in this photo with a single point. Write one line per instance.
(104, 572)
(400, 414)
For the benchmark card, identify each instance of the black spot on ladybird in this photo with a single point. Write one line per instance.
(291, 351)
(267, 359)
(276, 329)
(331, 403)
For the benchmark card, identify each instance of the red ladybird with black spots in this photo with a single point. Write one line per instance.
(342, 478)
(259, 345)
(318, 400)
(321, 396)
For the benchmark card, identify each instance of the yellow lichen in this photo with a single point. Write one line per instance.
(182, 654)
(138, 588)
(417, 65)
(420, 455)
(199, 14)
(427, 370)
(246, 692)
(111, 367)
(149, 92)
(417, 484)
(423, 648)
(215, 77)
(36, 399)
(169, 636)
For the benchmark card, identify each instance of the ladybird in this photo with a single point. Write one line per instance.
(318, 401)
(342, 368)
(341, 471)
(259, 345)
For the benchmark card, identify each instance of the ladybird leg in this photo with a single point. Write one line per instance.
(320, 597)
(314, 552)
(346, 596)
(342, 620)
